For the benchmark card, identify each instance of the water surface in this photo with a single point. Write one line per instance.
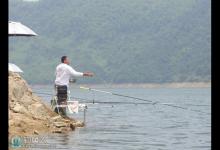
(140, 127)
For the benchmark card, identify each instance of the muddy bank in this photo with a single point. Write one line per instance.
(28, 115)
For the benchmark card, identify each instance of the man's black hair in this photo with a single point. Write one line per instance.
(63, 58)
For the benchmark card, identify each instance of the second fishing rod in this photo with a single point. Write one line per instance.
(141, 99)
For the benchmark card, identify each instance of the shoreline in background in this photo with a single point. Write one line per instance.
(141, 85)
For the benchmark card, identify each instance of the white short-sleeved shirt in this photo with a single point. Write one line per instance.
(63, 74)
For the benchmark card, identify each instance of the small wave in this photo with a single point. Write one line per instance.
(171, 127)
(203, 133)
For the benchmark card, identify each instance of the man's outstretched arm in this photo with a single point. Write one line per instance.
(80, 74)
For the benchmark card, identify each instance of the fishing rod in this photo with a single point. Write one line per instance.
(89, 101)
(116, 102)
(140, 99)
(92, 101)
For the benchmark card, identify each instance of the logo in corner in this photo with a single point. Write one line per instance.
(16, 142)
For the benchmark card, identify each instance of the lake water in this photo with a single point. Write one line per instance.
(141, 126)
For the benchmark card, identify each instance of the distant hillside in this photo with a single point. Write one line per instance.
(122, 41)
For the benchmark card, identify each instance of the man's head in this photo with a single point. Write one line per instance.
(65, 60)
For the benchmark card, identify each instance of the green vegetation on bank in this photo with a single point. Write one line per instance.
(122, 41)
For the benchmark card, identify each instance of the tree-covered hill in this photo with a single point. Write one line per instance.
(122, 41)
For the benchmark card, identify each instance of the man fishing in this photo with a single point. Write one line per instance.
(63, 74)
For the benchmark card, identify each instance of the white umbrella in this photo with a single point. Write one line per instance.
(13, 68)
(18, 29)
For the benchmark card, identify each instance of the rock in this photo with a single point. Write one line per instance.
(55, 118)
(11, 122)
(79, 124)
(38, 111)
(10, 115)
(33, 117)
(66, 121)
(29, 115)
(18, 93)
(60, 124)
(18, 124)
(57, 131)
(72, 127)
(19, 109)
(26, 100)
(18, 90)
(36, 132)
(64, 130)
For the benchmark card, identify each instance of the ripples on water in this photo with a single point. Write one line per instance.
(142, 127)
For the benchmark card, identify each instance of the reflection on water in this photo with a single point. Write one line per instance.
(139, 126)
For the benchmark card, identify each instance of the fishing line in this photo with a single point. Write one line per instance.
(156, 102)
(141, 99)
(93, 101)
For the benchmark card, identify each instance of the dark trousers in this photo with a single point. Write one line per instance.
(61, 98)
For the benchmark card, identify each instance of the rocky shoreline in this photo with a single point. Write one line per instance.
(28, 115)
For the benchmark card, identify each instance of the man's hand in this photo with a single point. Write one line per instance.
(88, 74)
